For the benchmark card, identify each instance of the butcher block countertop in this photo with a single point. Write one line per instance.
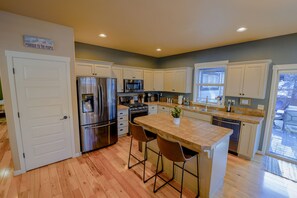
(122, 107)
(192, 133)
(234, 116)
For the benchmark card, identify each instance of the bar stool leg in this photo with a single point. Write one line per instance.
(145, 158)
(182, 180)
(130, 153)
(198, 191)
(157, 171)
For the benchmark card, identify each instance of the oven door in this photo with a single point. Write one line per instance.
(133, 85)
(137, 114)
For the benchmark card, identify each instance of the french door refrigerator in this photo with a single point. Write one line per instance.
(97, 102)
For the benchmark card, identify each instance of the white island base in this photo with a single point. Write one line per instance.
(212, 168)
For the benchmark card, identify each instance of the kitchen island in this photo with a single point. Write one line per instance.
(210, 141)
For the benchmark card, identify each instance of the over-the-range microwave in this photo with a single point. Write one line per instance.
(133, 86)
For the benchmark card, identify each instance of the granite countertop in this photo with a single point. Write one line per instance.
(122, 107)
(235, 116)
(192, 133)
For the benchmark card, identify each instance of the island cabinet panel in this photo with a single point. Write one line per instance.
(117, 72)
(131, 73)
(122, 122)
(148, 80)
(249, 140)
(198, 116)
(158, 80)
(93, 68)
(247, 80)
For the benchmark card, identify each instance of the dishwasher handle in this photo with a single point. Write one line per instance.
(223, 121)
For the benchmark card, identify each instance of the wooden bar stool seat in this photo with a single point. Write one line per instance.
(141, 135)
(174, 152)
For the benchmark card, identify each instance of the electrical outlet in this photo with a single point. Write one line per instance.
(233, 102)
(229, 101)
(260, 107)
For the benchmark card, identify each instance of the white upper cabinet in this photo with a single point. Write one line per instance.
(158, 80)
(148, 80)
(248, 79)
(117, 72)
(93, 68)
(131, 73)
(178, 80)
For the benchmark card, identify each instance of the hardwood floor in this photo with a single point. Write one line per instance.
(104, 173)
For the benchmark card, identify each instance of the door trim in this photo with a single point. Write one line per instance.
(272, 100)
(9, 57)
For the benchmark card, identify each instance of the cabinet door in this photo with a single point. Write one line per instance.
(118, 74)
(158, 81)
(247, 139)
(84, 69)
(234, 82)
(148, 80)
(130, 73)
(169, 81)
(181, 83)
(162, 109)
(254, 85)
(102, 70)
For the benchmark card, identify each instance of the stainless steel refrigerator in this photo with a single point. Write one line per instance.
(97, 102)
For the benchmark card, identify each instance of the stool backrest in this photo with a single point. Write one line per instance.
(137, 132)
(171, 150)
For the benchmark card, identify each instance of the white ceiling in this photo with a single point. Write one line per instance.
(176, 26)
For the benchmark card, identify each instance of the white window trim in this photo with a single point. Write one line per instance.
(221, 64)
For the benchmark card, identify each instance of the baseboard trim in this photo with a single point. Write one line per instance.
(76, 155)
(18, 172)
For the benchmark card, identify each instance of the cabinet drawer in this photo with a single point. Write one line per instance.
(122, 130)
(163, 109)
(123, 118)
(122, 123)
(122, 112)
(152, 107)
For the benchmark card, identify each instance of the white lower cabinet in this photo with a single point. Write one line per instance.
(122, 122)
(152, 109)
(163, 109)
(249, 139)
(198, 116)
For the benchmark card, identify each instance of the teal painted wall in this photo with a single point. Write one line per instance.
(86, 51)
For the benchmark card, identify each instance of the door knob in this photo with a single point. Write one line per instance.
(64, 118)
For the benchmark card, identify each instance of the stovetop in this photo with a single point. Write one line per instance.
(136, 106)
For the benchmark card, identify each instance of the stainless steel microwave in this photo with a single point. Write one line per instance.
(132, 86)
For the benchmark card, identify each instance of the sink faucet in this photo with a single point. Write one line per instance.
(206, 103)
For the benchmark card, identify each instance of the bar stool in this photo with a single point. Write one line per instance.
(174, 152)
(139, 134)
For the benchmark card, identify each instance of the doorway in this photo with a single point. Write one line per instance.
(40, 88)
(282, 141)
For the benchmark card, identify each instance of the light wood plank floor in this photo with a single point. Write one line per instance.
(104, 173)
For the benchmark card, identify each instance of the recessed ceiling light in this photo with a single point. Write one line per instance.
(241, 29)
(102, 35)
(158, 49)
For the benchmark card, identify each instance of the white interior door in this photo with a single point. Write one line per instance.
(42, 97)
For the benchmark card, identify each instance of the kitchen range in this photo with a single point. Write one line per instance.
(136, 108)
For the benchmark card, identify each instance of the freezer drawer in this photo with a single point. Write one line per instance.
(97, 136)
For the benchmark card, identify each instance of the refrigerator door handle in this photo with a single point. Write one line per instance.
(102, 94)
(99, 101)
(101, 126)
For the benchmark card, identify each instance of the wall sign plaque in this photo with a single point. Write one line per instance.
(38, 42)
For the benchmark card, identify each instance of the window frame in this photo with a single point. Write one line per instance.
(207, 65)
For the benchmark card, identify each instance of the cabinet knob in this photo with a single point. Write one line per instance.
(243, 124)
(239, 93)
(243, 94)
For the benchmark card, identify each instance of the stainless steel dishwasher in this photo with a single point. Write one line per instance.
(230, 124)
